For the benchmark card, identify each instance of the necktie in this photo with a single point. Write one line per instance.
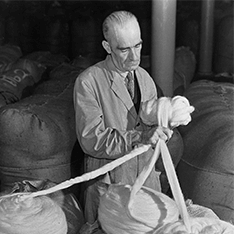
(130, 84)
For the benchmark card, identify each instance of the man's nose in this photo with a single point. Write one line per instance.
(133, 54)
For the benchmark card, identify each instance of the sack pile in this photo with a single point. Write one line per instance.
(37, 133)
(9, 54)
(206, 170)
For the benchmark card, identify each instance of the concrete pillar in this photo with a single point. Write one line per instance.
(163, 44)
(206, 39)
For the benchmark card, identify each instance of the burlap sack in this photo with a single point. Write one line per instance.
(47, 58)
(65, 200)
(206, 171)
(65, 71)
(8, 54)
(19, 80)
(37, 135)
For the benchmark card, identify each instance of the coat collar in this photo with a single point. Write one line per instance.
(118, 85)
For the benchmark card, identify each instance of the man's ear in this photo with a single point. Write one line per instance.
(106, 46)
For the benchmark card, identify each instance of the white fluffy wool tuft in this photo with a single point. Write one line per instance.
(167, 112)
(159, 212)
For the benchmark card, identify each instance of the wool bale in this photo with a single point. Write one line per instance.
(52, 87)
(34, 68)
(37, 136)
(65, 71)
(19, 79)
(64, 199)
(206, 170)
(8, 54)
(32, 216)
(14, 84)
(46, 58)
(151, 210)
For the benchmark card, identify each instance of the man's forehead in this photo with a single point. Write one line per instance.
(129, 24)
(118, 31)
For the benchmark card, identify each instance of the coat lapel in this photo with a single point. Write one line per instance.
(141, 85)
(120, 90)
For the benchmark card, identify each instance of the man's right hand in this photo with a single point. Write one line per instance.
(152, 135)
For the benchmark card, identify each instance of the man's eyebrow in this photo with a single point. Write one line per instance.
(124, 48)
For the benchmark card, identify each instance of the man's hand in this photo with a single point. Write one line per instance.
(152, 136)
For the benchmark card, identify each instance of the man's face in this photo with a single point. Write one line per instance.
(125, 45)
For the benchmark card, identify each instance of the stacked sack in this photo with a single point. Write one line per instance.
(206, 170)
(8, 54)
(47, 59)
(18, 75)
(36, 141)
(37, 132)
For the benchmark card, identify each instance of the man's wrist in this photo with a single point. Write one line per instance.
(136, 137)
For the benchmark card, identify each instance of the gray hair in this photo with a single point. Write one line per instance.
(116, 18)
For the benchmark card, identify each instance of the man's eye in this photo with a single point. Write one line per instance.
(138, 45)
(124, 50)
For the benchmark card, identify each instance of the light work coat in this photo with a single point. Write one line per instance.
(105, 123)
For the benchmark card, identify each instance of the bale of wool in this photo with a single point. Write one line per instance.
(153, 212)
(34, 68)
(65, 71)
(206, 170)
(155, 208)
(19, 79)
(48, 59)
(31, 216)
(15, 84)
(37, 136)
(66, 200)
(8, 54)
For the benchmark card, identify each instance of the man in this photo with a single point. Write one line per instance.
(107, 116)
